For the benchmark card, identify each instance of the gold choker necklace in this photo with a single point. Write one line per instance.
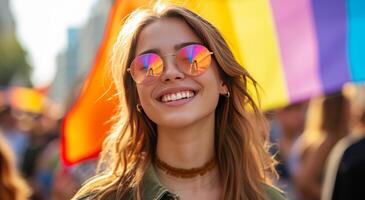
(185, 173)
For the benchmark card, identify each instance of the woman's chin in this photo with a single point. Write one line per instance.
(175, 123)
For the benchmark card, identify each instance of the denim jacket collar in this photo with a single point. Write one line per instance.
(152, 187)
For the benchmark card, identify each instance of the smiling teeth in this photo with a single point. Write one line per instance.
(177, 96)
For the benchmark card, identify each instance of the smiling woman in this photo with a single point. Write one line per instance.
(187, 126)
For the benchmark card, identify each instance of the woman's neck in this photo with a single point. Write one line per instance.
(187, 147)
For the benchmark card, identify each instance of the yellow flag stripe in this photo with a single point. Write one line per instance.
(257, 39)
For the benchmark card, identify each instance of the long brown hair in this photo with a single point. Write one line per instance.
(240, 128)
(12, 185)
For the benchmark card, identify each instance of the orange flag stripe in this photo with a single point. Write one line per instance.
(82, 139)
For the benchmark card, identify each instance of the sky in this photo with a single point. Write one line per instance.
(41, 27)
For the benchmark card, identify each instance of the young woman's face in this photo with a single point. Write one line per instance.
(176, 99)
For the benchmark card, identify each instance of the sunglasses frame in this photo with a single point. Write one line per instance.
(166, 55)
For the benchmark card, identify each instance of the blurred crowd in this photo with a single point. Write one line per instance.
(318, 143)
(30, 164)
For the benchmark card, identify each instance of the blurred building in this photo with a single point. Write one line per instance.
(75, 62)
(67, 65)
(91, 36)
(6, 19)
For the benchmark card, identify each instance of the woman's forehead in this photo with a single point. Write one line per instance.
(165, 35)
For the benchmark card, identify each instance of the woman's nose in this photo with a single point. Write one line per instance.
(171, 70)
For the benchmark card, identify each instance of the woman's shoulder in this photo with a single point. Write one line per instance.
(274, 193)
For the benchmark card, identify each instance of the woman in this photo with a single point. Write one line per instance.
(12, 185)
(187, 129)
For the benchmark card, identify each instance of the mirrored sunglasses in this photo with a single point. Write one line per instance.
(192, 60)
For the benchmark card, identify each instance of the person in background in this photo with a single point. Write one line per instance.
(326, 126)
(43, 129)
(16, 138)
(286, 126)
(68, 180)
(345, 171)
(12, 185)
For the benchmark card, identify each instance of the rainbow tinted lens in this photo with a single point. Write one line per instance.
(193, 59)
(146, 68)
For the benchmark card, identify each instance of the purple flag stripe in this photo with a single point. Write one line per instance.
(331, 26)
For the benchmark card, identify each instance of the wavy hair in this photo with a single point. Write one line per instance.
(12, 185)
(240, 128)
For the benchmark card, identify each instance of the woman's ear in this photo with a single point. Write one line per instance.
(223, 89)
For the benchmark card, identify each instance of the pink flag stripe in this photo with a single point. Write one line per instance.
(298, 47)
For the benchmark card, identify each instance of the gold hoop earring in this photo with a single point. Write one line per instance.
(227, 95)
(139, 108)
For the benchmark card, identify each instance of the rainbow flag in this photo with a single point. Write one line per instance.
(294, 49)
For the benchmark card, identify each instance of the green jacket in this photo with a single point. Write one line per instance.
(155, 191)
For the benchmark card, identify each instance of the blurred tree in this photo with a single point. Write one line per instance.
(13, 65)
(13, 62)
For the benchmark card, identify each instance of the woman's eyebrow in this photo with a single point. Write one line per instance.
(179, 46)
(150, 51)
(176, 47)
